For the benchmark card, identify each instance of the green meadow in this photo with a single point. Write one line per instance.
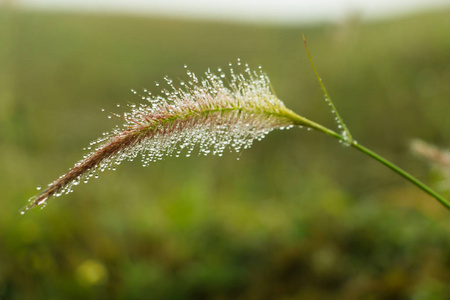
(296, 216)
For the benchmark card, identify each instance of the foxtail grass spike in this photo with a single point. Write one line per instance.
(440, 157)
(205, 114)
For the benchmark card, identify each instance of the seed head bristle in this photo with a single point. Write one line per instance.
(203, 113)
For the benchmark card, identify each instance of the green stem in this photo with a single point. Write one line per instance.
(402, 173)
(347, 139)
(301, 121)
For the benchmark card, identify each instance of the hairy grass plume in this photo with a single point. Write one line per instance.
(432, 153)
(439, 159)
(208, 114)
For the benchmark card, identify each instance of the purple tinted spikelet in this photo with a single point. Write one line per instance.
(205, 113)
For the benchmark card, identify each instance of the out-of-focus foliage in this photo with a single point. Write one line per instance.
(298, 216)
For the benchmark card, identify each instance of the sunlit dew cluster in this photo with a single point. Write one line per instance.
(199, 116)
(203, 114)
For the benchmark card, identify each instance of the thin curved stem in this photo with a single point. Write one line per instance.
(402, 173)
(380, 159)
(348, 140)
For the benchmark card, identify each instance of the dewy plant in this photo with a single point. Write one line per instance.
(201, 113)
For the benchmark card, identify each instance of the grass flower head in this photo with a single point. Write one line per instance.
(208, 114)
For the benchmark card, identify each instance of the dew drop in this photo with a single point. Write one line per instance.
(38, 188)
(42, 201)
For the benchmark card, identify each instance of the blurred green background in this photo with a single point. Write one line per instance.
(298, 216)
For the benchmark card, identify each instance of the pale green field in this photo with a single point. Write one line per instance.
(298, 216)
